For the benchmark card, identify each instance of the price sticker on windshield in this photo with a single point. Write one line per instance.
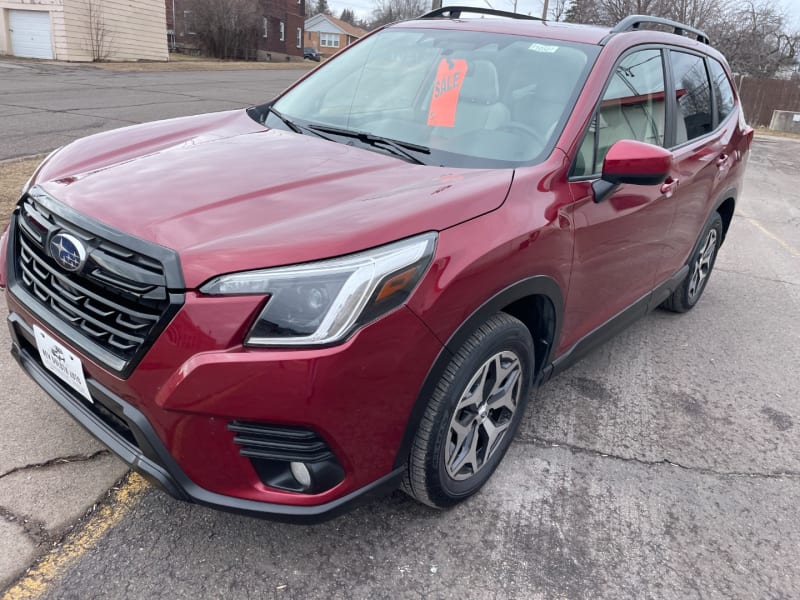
(446, 89)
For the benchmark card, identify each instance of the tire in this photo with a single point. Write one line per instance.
(700, 266)
(465, 431)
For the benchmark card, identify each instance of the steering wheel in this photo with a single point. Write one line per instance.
(515, 127)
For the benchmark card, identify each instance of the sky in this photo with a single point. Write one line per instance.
(364, 7)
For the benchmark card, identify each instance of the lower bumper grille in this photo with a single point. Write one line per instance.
(288, 444)
(288, 458)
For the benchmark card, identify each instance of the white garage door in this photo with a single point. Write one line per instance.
(30, 33)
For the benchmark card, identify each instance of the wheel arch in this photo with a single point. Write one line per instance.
(536, 301)
(725, 210)
(725, 206)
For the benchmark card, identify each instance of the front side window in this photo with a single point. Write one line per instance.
(693, 93)
(469, 99)
(723, 92)
(633, 107)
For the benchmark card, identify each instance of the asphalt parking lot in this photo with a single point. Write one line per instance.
(664, 465)
(44, 106)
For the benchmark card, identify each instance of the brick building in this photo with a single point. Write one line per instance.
(279, 36)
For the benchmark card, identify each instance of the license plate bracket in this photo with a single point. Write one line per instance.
(60, 361)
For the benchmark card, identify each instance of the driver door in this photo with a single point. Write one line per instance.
(618, 242)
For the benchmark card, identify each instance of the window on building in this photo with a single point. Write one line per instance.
(266, 27)
(329, 40)
(283, 31)
(693, 92)
(633, 108)
(299, 37)
(188, 22)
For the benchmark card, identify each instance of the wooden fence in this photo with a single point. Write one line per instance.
(762, 96)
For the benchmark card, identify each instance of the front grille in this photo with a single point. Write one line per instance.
(112, 307)
(270, 442)
(119, 327)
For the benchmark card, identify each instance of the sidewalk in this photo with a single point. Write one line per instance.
(51, 470)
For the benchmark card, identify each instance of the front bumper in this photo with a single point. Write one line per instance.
(168, 420)
(151, 459)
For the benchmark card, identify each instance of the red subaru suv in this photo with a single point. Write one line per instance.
(354, 287)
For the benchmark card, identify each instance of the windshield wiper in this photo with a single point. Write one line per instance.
(301, 129)
(396, 147)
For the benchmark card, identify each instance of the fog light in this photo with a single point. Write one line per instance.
(301, 473)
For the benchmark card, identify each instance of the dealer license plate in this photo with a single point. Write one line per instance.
(61, 362)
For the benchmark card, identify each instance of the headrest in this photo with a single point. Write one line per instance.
(480, 84)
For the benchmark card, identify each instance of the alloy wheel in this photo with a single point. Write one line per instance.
(703, 264)
(483, 415)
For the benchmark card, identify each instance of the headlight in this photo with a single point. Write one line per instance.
(322, 302)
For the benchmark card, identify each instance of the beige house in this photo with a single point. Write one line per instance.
(329, 34)
(84, 30)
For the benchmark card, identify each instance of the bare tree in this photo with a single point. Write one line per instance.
(754, 35)
(697, 13)
(228, 28)
(585, 11)
(389, 11)
(311, 8)
(756, 39)
(558, 10)
(99, 36)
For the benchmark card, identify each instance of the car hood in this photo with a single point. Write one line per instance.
(229, 195)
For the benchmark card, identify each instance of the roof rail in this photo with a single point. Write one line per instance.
(632, 23)
(454, 12)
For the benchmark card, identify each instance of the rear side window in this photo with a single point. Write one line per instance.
(632, 108)
(693, 93)
(723, 92)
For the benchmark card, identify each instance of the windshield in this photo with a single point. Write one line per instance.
(461, 98)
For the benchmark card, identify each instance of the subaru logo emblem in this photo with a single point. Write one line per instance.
(68, 251)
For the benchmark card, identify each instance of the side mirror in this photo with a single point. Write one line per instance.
(629, 161)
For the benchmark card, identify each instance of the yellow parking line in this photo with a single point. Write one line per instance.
(37, 580)
(792, 250)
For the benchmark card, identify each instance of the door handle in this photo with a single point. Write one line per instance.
(722, 160)
(668, 187)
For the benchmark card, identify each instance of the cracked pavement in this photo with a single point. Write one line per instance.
(663, 461)
(51, 471)
(664, 465)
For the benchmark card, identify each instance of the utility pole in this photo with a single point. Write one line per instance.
(544, 10)
(436, 4)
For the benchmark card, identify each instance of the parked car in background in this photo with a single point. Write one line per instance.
(311, 54)
(288, 309)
